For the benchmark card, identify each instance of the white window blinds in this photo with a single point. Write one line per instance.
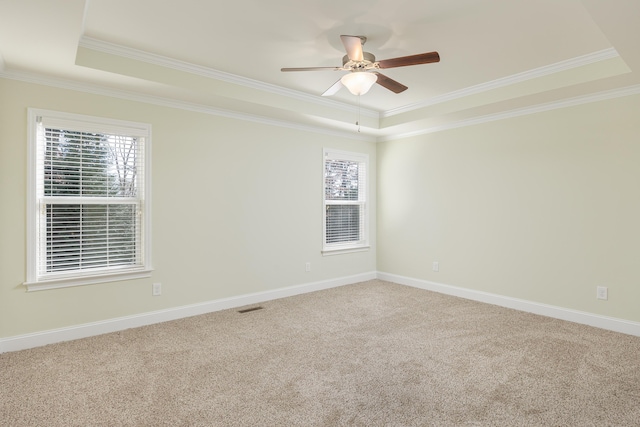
(345, 200)
(90, 197)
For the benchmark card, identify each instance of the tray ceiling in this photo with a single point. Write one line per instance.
(496, 55)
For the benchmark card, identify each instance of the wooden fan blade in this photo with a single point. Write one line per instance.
(333, 89)
(353, 46)
(421, 58)
(390, 84)
(311, 69)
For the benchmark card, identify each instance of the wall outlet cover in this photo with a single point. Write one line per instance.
(602, 292)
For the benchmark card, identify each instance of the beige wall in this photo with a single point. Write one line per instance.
(236, 209)
(543, 207)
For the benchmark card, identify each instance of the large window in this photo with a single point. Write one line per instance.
(88, 207)
(345, 201)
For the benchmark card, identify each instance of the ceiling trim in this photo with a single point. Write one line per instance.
(163, 61)
(172, 103)
(200, 108)
(569, 102)
(546, 70)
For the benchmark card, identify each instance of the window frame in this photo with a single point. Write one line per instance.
(363, 200)
(83, 123)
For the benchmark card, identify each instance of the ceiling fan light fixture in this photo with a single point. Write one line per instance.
(364, 68)
(358, 82)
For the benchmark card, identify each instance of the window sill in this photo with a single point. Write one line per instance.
(347, 250)
(65, 282)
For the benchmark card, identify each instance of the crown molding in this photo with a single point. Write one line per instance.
(539, 108)
(172, 103)
(568, 64)
(163, 61)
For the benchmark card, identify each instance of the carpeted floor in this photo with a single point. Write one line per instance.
(370, 354)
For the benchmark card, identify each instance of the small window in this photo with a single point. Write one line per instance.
(88, 200)
(345, 202)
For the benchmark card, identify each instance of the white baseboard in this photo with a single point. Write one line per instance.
(37, 339)
(603, 322)
(22, 342)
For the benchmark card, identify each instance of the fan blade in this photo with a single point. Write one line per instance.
(333, 89)
(312, 69)
(422, 58)
(353, 46)
(390, 84)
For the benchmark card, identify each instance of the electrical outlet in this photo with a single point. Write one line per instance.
(156, 289)
(602, 292)
(307, 266)
(435, 266)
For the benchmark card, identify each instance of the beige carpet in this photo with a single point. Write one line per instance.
(370, 354)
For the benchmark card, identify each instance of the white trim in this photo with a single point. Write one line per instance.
(525, 111)
(91, 124)
(81, 280)
(85, 13)
(590, 319)
(154, 59)
(187, 67)
(37, 339)
(181, 105)
(349, 250)
(95, 124)
(201, 108)
(546, 70)
(363, 243)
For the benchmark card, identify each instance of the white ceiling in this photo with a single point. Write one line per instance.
(496, 55)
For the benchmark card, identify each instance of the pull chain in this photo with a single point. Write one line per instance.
(358, 119)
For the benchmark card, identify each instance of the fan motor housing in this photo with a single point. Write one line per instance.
(368, 59)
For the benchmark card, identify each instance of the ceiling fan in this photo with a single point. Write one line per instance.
(362, 67)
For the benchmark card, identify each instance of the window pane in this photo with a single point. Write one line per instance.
(341, 180)
(81, 237)
(89, 164)
(343, 223)
(123, 166)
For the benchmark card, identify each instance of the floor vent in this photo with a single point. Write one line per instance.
(248, 310)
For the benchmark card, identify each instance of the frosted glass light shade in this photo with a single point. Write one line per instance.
(359, 82)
